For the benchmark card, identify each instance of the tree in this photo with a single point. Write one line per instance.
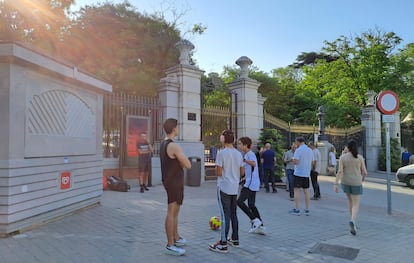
(214, 91)
(404, 63)
(363, 63)
(281, 102)
(121, 46)
(306, 59)
(395, 156)
(39, 23)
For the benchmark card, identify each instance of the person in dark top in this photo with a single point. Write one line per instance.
(173, 160)
(144, 149)
(405, 157)
(268, 160)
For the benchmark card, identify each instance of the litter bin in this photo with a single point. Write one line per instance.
(194, 173)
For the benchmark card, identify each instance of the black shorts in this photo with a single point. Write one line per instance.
(175, 191)
(301, 182)
(143, 164)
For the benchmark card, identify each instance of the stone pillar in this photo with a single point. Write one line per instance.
(260, 102)
(248, 103)
(179, 94)
(395, 127)
(371, 120)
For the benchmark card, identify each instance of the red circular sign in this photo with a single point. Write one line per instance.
(388, 102)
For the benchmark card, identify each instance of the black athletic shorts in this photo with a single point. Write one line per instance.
(301, 182)
(143, 164)
(175, 190)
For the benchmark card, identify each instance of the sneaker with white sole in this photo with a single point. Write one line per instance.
(174, 250)
(255, 224)
(233, 243)
(180, 242)
(261, 230)
(306, 212)
(295, 212)
(218, 247)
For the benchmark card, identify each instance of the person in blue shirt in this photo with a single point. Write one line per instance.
(268, 160)
(405, 157)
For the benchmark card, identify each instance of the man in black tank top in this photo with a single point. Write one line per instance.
(173, 160)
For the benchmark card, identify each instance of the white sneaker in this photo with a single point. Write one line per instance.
(174, 250)
(255, 224)
(261, 230)
(180, 242)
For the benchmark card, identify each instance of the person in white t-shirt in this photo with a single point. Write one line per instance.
(229, 168)
(302, 158)
(251, 185)
(332, 160)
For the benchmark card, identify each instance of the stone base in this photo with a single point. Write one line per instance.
(45, 218)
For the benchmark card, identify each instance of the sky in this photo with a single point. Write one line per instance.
(272, 33)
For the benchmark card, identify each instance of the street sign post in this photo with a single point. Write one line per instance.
(388, 103)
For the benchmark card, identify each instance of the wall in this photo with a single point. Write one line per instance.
(51, 124)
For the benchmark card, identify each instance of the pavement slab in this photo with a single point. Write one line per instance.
(129, 227)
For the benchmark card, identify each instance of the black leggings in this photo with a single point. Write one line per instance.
(250, 209)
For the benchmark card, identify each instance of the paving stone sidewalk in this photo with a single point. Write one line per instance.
(129, 227)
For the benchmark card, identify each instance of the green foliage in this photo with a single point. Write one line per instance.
(39, 23)
(395, 157)
(121, 46)
(214, 92)
(351, 67)
(404, 69)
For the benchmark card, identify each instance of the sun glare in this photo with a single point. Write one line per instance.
(33, 8)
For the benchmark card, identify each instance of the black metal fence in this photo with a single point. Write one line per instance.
(337, 137)
(213, 121)
(115, 109)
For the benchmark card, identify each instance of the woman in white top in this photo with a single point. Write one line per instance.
(332, 160)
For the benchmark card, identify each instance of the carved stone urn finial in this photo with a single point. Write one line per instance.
(244, 63)
(371, 97)
(185, 47)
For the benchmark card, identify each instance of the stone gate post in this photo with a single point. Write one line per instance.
(371, 120)
(179, 94)
(248, 104)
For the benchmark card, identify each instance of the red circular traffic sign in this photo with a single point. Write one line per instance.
(388, 102)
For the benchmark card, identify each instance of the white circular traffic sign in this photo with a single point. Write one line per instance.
(388, 102)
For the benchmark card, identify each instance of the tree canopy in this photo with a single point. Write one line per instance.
(338, 78)
(113, 42)
(40, 22)
(131, 50)
(122, 46)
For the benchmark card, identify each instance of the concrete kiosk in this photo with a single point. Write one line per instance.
(50, 136)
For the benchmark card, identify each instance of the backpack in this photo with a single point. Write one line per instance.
(117, 184)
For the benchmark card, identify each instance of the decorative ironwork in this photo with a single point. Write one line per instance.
(115, 108)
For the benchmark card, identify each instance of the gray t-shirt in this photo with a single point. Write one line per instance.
(288, 160)
(230, 160)
(317, 158)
